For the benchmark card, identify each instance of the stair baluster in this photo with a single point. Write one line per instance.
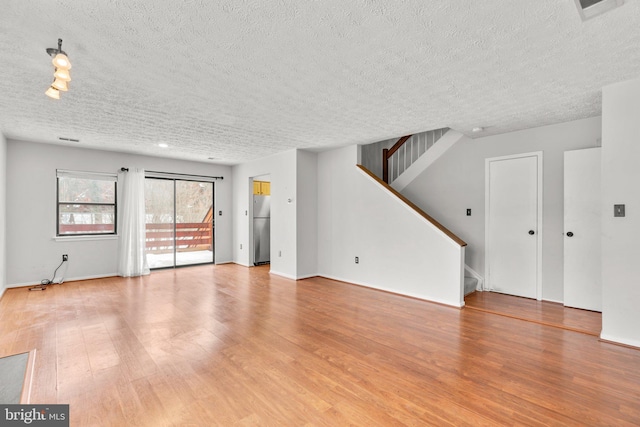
(400, 156)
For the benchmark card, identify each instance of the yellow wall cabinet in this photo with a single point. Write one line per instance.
(261, 188)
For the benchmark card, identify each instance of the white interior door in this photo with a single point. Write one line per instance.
(513, 224)
(582, 229)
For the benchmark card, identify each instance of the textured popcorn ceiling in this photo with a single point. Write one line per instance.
(242, 79)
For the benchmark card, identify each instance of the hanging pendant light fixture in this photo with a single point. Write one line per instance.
(61, 74)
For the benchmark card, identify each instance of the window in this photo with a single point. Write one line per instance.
(86, 203)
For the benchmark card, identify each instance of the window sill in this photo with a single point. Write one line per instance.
(84, 238)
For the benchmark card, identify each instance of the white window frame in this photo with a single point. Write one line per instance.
(95, 176)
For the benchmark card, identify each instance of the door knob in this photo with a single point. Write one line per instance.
(531, 232)
(570, 234)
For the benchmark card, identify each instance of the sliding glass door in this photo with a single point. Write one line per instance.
(194, 222)
(179, 215)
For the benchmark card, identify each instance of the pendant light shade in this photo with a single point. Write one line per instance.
(53, 93)
(60, 85)
(61, 61)
(62, 74)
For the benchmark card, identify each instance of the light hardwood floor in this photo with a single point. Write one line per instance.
(543, 312)
(227, 345)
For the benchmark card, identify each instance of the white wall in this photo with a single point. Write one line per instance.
(307, 214)
(398, 250)
(621, 185)
(3, 213)
(282, 170)
(456, 182)
(31, 209)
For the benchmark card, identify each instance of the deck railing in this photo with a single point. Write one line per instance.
(188, 235)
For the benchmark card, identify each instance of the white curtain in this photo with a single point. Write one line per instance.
(132, 259)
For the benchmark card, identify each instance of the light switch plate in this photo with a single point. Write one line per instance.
(618, 210)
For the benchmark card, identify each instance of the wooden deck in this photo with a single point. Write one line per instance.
(228, 345)
(541, 312)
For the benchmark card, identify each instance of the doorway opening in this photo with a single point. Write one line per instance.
(261, 220)
(179, 222)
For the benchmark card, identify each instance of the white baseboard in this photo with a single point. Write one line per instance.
(70, 279)
(393, 291)
(625, 341)
(22, 285)
(287, 276)
(2, 289)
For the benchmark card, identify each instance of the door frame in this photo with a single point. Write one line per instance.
(487, 163)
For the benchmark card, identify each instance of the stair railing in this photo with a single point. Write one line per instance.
(407, 150)
(387, 153)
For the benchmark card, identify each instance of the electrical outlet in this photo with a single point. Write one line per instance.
(279, 253)
(240, 245)
(65, 257)
(357, 260)
(468, 212)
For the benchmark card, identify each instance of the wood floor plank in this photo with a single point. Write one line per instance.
(544, 312)
(228, 345)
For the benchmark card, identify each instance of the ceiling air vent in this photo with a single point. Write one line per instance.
(591, 8)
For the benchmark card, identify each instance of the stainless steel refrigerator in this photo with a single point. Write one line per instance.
(261, 229)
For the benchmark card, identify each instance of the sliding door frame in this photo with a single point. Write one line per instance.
(174, 218)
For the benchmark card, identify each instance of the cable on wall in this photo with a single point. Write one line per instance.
(46, 282)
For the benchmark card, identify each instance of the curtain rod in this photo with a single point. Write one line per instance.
(123, 169)
(186, 174)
